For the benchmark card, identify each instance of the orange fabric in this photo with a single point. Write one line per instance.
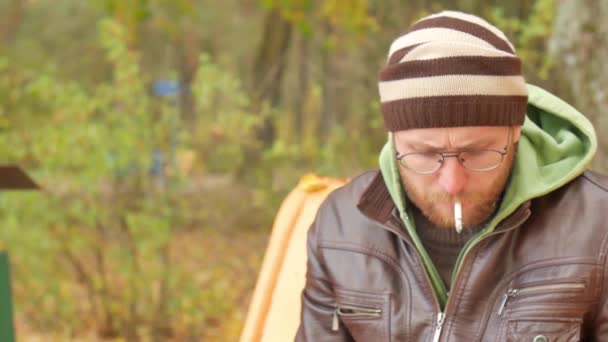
(274, 310)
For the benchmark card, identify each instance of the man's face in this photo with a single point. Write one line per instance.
(435, 194)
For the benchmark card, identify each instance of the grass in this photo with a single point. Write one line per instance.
(223, 266)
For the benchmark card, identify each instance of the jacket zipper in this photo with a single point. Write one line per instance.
(440, 313)
(513, 292)
(431, 273)
(439, 327)
(352, 311)
(468, 246)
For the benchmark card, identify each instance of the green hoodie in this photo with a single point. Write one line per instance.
(556, 145)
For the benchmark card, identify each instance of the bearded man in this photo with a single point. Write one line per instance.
(482, 223)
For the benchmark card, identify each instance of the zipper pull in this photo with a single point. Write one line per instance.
(503, 303)
(335, 324)
(440, 319)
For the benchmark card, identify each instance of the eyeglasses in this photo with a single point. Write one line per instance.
(474, 160)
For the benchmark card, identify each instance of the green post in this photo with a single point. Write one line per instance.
(11, 178)
(7, 330)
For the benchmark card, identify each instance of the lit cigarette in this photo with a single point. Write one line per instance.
(458, 216)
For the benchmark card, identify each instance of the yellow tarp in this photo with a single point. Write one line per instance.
(274, 311)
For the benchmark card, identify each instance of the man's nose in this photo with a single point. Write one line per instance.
(452, 176)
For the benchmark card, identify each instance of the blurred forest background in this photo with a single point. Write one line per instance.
(165, 134)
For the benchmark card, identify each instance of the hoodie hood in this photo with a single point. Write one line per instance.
(557, 144)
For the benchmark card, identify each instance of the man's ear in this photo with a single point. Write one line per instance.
(516, 133)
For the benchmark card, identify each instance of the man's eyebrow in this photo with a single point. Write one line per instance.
(479, 143)
(423, 145)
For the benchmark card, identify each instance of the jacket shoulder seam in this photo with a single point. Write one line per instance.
(594, 182)
(348, 246)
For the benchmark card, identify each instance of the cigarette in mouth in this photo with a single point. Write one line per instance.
(458, 216)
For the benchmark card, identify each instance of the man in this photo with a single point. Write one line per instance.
(481, 224)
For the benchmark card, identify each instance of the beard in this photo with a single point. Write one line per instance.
(480, 205)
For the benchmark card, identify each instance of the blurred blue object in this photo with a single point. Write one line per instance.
(166, 88)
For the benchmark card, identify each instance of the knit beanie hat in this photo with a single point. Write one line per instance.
(452, 69)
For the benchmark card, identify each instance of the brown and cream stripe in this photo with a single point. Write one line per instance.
(452, 69)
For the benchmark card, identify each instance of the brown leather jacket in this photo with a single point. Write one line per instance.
(541, 275)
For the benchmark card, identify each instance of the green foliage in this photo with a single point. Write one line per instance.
(225, 129)
(349, 16)
(111, 211)
(530, 35)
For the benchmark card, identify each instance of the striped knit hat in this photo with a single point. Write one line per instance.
(452, 69)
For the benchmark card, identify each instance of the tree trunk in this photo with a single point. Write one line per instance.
(269, 68)
(302, 86)
(10, 21)
(579, 47)
(188, 63)
(328, 88)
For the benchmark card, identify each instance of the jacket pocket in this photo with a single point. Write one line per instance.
(365, 315)
(540, 291)
(544, 329)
